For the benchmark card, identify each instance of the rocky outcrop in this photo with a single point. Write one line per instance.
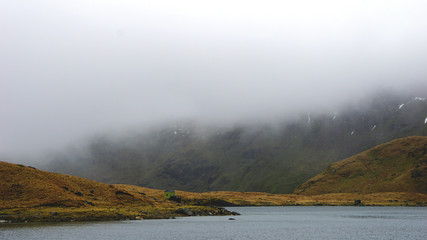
(216, 212)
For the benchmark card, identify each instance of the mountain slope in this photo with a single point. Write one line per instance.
(396, 166)
(273, 158)
(28, 194)
(23, 186)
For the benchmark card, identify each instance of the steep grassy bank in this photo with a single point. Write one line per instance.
(28, 194)
(396, 166)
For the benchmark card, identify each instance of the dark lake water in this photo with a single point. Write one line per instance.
(254, 223)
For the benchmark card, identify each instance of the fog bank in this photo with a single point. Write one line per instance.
(72, 69)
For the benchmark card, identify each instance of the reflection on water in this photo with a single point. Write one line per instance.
(254, 223)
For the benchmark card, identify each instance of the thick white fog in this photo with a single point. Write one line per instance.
(70, 69)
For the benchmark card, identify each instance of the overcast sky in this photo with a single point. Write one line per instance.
(69, 69)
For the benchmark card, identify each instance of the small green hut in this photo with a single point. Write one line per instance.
(169, 194)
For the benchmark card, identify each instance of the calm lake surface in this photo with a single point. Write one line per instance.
(254, 223)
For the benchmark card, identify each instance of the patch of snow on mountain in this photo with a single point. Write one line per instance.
(175, 132)
(352, 132)
(335, 116)
(375, 126)
(401, 105)
(425, 121)
(419, 99)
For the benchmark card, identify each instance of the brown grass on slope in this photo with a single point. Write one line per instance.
(226, 198)
(28, 194)
(22, 186)
(396, 166)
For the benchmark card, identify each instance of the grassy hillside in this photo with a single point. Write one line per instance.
(396, 166)
(28, 187)
(227, 198)
(274, 158)
(28, 194)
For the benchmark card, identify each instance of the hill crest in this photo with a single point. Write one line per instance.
(396, 166)
(24, 186)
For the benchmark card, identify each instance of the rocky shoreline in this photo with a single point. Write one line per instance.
(73, 215)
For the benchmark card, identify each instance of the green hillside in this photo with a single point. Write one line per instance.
(396, 166)
(275, 157)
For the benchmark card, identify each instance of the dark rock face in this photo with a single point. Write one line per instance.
(175, 199)
(184, 211)
(357, 202)
(217, 211)
(416, 173)
(123, 193)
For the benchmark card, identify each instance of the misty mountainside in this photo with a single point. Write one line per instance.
(396, 166)
(274, 158)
